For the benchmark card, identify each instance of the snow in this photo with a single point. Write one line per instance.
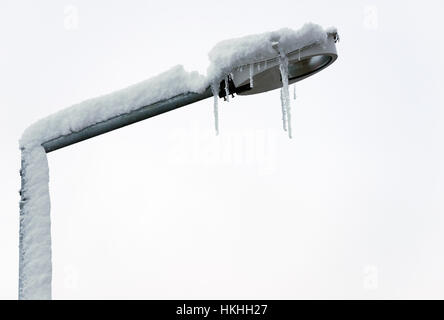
(166, 85)
(224, 57)
(35, 236)
(35, 224)
(232, 53)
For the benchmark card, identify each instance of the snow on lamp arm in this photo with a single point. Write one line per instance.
(247, 65)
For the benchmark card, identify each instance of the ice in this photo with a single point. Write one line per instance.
(284, 116)
(227, 89)
(214, 89)
(294, 92)
(285, 97)
(251, 75)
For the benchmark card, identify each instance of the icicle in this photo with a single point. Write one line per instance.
(241, 68)
(294, 92)
(284, 116)
(283, 67)
(265, 64)
(299, 54)
(227, 89)
(259, 66)
(251, 75)
(215, 107)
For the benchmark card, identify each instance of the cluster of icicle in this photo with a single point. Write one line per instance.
(284, 92)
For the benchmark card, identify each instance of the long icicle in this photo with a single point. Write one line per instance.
(283, 67)
(251, 75)
(227, 89)
(215, 107)
(284, 116)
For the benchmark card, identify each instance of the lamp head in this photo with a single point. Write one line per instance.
(302, 63)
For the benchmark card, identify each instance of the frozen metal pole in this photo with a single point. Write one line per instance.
(126, 119)
(35, 267)
(22, 203)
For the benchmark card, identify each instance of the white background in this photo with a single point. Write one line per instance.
(351, 207)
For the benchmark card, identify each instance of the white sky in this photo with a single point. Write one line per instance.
(352, 207)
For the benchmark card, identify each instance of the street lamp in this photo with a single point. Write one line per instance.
(257, 76)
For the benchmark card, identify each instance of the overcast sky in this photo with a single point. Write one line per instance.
(351, 207)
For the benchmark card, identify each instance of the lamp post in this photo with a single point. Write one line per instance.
(35, 239)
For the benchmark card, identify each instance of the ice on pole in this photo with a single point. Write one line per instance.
(283, 111)
(283, 66)
(214, 89)
(227, 89)
(251, 75)
(285, 96)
